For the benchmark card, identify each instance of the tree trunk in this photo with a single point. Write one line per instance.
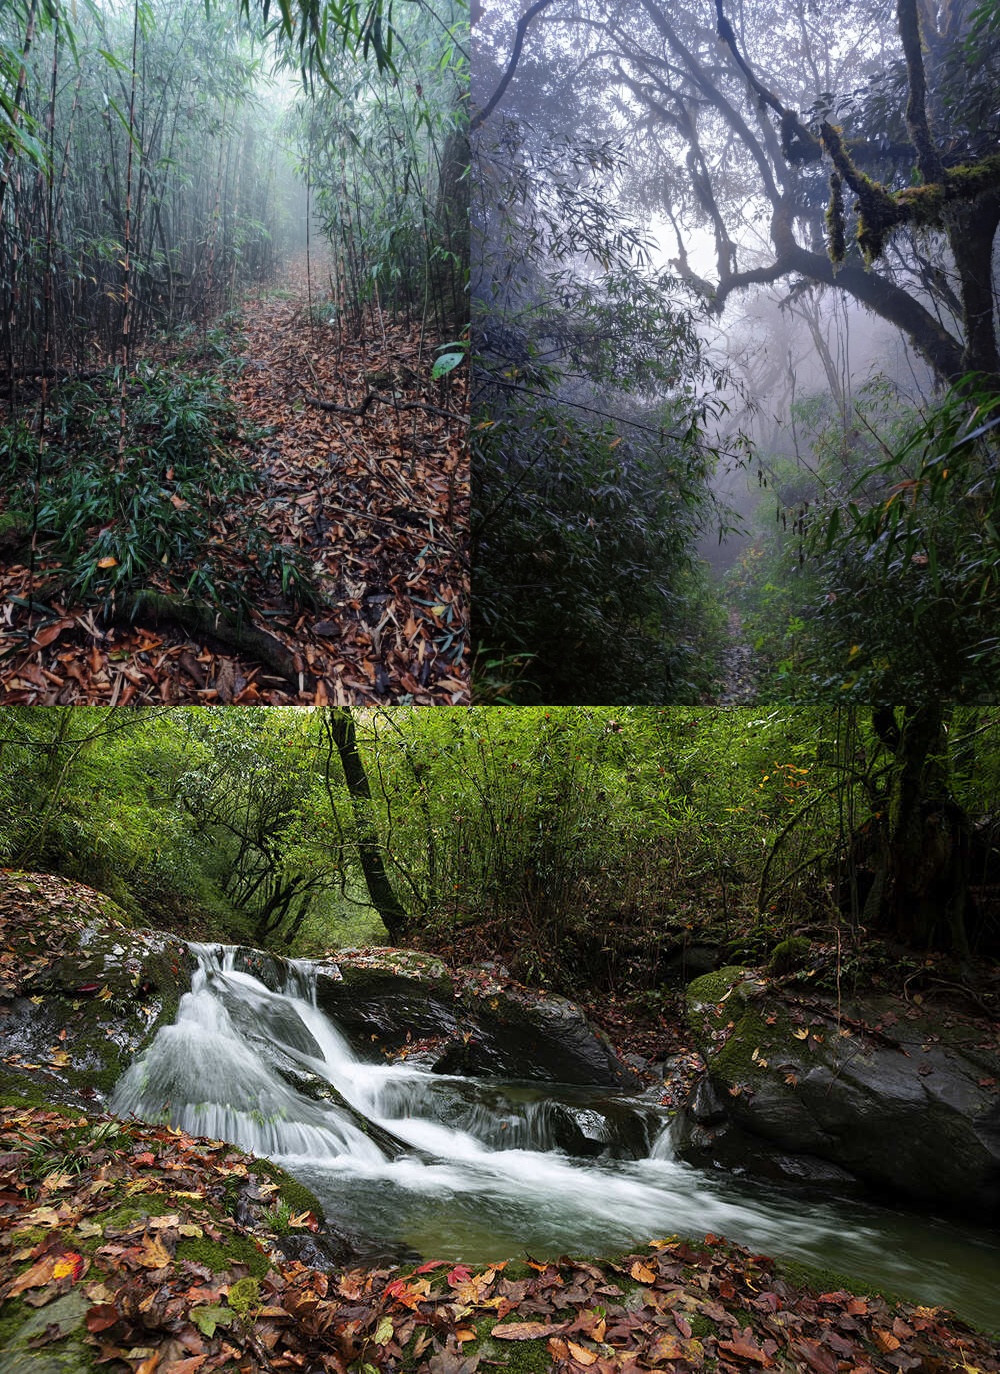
(339, 725)
(921, 887)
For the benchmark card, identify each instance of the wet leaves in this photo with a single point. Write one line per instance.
(370, 510)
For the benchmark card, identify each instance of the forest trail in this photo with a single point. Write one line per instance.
(377, 502)
(739, 679)
(364, 520)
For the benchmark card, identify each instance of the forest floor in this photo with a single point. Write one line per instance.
(367, 500)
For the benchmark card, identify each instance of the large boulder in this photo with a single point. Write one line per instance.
(901, 1097)
(82, 990)
(479, 1023)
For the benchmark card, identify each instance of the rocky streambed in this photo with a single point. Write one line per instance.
(436, 1112)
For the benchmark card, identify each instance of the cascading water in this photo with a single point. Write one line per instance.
(475, 1170)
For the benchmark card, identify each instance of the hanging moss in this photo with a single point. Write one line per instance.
(836, 228)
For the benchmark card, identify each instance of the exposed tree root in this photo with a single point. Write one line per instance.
(198, 617)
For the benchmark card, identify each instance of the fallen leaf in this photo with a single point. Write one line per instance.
(154, 1255)
(580, 1353)
(526, 1331)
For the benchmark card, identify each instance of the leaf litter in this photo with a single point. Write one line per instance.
(372, 507)
(153, 1304)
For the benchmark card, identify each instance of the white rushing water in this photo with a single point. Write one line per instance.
(476, 1171)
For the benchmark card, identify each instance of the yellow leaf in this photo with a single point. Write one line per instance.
(614, 443)
(642, 1273)
(154, 1254)
(108, 562)
(802, 1034)
(581, 1354)
(188, 1228)
(465, 1333)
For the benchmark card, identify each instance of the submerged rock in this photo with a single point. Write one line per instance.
(913, 1110)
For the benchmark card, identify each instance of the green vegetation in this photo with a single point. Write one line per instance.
(162, 161)
(583, 847)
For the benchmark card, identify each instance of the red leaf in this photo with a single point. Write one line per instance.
(746, 1350)
(102, 1316)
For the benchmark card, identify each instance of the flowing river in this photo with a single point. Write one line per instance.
(473, 1170)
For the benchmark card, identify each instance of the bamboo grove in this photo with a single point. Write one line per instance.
(143, 183)
(388, 164)
(141, 191)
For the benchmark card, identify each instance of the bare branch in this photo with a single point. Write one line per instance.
(515, 56)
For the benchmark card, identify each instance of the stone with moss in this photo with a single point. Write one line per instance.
(790, 955)
(800, 1091)
(88, 989)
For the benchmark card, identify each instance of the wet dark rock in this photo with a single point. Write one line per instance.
(913, 1113)
(336, 1248)
(689, 961)
(91, 992)
(487, 1030)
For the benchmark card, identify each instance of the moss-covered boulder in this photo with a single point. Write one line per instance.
(480, 1023)
(82, 989)
(898, 1096)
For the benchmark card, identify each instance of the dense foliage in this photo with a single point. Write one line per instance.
(388, 161)
(584, 847)
(590, 459)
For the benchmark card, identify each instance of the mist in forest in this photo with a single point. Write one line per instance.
(221, 229)
(727, 237)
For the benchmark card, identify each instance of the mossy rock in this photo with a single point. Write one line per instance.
(87, 989)
(790, 955)
(911, 1114)
(295, 1195)
(20, 1325)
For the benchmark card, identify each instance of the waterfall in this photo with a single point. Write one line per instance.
(473, 1169)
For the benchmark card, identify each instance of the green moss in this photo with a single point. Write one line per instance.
(17, 1090)
(12, 1316)
(244, 1296)
(790, 954)
(220, 1258)
(522, 1357)
(124, 1217)
(712, 987)
(295, 1195)
(701, 1326)
(27, 1235)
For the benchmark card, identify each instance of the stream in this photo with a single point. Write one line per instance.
(475, 1170)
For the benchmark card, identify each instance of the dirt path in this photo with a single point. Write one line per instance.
(739, 680)
(373, 507)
